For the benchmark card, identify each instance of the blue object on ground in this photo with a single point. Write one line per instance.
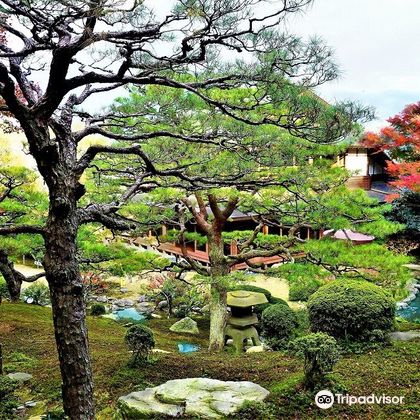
(128, 313)
(187, 347)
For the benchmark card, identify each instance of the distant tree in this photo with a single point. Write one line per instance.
(19, 203)
(401, 140)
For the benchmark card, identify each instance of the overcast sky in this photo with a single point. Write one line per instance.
(377, 45)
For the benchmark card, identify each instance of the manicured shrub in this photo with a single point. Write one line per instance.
(320, 353)
(302, 320)
(39, 292)
(140, 341)
(278, 322)
(274, 300)
(302, 289)
(351, 310)
(97, 309)
(259, 309)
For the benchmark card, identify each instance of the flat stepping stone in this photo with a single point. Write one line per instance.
(20, 376)
(202, 398)
(405, 335)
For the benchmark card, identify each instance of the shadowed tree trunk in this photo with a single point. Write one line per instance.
(218, 292)
(66, 290)
(14, 278)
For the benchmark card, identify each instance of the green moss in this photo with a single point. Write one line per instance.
(28, 329)
(18, 362)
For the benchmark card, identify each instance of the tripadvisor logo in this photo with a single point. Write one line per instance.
(325, 399)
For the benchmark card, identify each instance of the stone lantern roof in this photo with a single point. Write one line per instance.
(244, 298)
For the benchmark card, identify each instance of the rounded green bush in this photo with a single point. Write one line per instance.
(97, 309)
(259, 309)
(302, 290)
(351, 309)
(278, 323)
(8, 399)
(140, 341)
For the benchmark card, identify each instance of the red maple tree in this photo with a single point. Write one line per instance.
(401, 141)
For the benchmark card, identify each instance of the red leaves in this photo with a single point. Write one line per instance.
(401, 140)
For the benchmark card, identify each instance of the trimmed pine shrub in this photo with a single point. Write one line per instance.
(97, 309)
(140, 341)
(38, 292)
(278, 323)
(303, 289)
(320, 353)
(351, 310)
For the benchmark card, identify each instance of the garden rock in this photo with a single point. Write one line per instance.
(20, 376)
(193, 397)
(144, 307)
(255, 349)
(124, 303)
(162, 304)
(185, 325)
(405, 335)
(102, 299)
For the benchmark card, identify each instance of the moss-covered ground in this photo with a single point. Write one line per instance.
(27, 330)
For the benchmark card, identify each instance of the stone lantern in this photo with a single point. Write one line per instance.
(241, 323)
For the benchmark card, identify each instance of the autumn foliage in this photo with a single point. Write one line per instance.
(401, 140)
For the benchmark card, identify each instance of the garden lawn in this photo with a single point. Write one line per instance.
(27, 329)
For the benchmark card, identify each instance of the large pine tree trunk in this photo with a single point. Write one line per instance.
(218, 307)
(72, 345)
(218, 317)
(68, 306)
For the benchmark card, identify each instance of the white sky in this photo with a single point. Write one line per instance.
(377, 46)
(376, 43)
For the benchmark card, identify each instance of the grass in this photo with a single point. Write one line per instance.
(27, 330)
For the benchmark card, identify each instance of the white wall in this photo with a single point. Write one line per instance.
(357, 163)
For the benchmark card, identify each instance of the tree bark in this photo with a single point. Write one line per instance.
(218, 317)
(12, 277)
(67, 300)
(218, 307)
